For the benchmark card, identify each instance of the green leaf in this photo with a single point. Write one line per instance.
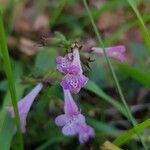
(45, 60)
(102, 127)
(6, 133)
(142, 77)
(124, 137)
(91, 86)
(10, 79)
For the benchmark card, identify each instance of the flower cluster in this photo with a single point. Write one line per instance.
(73, 122)
(70, 65)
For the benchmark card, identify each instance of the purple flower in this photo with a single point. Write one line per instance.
(74, 82)
(73, 122)
(64, 63)
(116, 52)
(85, 132)
(24, 105)
(74, 79)
(70, 63)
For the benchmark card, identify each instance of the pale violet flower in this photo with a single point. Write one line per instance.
(73, 122)
(24, 105)
(74, 82)
(85, 132)
(116, 52)
(70, 63)
(64, 64)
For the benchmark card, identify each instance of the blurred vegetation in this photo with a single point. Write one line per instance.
(39, 30)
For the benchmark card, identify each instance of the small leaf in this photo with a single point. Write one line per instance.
(91, 86)
(142, 77)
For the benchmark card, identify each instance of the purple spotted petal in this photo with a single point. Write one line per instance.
(85, 133)
(72, 127)
(72, 69)
(70, 63)
(24, 105)
(63, 63)
(116, 52)
(74, 82)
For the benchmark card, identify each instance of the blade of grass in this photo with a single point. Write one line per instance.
(10, 14)
(102, 127)
(130, 117)
(144, 30)
(7, 131)
(124, 137)
(142, 76)
(91, 86)
(124, 28)
(50, 142)
(57, 12)
(9, 75)
(107, 6)
(7, 124)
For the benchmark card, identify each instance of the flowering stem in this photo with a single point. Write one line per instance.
(130, 117)
(10, 79)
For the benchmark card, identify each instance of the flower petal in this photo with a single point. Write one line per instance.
(76, 60)
(85, 133)
(24, 105)
(70, 107)
(70, 129)
(116, 52)
(64, 63)
(61, 120)
(74, 82)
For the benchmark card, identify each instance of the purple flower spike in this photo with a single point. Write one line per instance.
(116, 52)
(85, 133)
(24, 105)
(74, 82)
(73, 122)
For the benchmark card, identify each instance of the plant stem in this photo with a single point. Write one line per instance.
(10, 79)
(130, 117)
